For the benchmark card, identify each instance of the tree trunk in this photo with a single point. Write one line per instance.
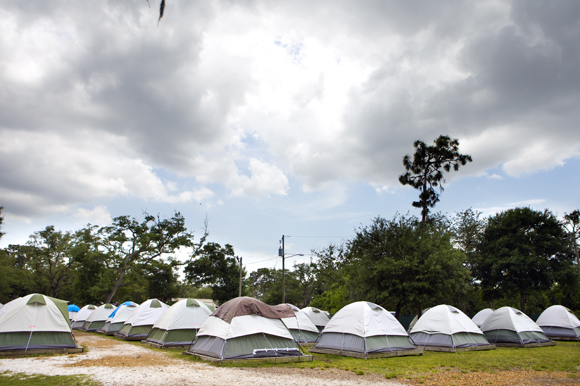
(522, 303)
(117, 285)
(398, 311)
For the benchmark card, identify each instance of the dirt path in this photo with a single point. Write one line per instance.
(112, 362)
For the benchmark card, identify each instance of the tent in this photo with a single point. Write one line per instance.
(508, 326)
(416, 319)
(319, 318)
(446, 328)
(138, 325)
(98, 317)
(365, 330)
(73, 309)
(117, 318)
(34, 324)
(179, 325)
(301, 327)
(559, 323)
(82, 315)
(480, 317)
(245, 328)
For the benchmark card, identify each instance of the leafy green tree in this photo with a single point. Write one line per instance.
(572, 227)
(162, 280)
(468, 227)
(1, 221)
(404, 262)
(48, 254)
(522, 251)
(425, 170)
(216, 267)
(133, 245)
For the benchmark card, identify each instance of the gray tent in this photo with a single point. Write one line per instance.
(508, 326)
(559, 323)
(246, 328)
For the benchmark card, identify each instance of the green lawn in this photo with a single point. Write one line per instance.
(565, 356)
(8, 378)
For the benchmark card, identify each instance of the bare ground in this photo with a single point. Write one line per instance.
(113, 362)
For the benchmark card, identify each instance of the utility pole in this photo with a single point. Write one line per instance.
(239, 259)
(281, 253)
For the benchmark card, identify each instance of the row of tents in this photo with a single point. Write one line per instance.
(246, 328)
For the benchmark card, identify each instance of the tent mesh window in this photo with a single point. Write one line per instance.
(243, 347)
(508, 336)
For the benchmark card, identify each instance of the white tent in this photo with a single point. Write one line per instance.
(82, 315)
(364, 329)
(446, 328)
(138, 325)
(246, 328)
(480, 317)
(319, 318)
(98, 317)
(508, 326)
(118, 317)
(301, 327)
(559, 323)
(179, 325)
(36, 323)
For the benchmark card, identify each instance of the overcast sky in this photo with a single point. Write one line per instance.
(280, 118)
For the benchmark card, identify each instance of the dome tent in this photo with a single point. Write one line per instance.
(508, 326)
(98, 317)
(365, 330)
(117, 318)
(319, 318)
(446, 328)
(36, 324)
(301, 327)
(559, 323)
(82, 315)
(138, 325)
(481, 316)
(178, 326)
(245, 328)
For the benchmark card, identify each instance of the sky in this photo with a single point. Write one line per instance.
(272, 118)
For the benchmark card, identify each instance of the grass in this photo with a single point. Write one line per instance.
(565, 356)
(8, 378)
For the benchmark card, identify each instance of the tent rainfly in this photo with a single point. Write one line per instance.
(508, 326)
(245, 328)
(301, 327)
(98, 317)
(446, 328)
(117, 318)
(559, 323)
(138, 325)
(365, 330)
(319, 318)
(35, 324)
(480, 317)
(81, 316)
(178, 326)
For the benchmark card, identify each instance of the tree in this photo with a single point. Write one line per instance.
(404, 262)
(572, 227)
(217, 268)
(425, 171)
(1, 221)
(468, 227)
(131, 245)
(522, 251)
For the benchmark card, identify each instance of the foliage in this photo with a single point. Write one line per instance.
(1, 221)
(425, 171)
(217, 268)
(468, 227)
(572, 227)
(403, 262)
(131, 245)
(522, 251)
(162, 280)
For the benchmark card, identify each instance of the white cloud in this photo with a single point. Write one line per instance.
(96, 216)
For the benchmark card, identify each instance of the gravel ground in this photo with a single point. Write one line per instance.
(113, 363)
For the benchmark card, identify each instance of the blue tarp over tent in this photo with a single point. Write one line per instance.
(124, 304)
(73, 308)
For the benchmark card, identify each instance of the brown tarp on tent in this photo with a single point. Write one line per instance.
(249, 306)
